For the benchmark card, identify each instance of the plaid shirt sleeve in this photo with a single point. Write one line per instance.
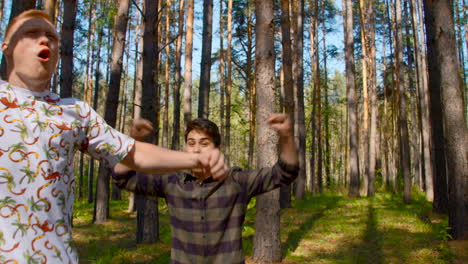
(266, 179)
(141, 183)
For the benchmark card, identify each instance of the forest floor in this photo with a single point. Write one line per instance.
(328, 228)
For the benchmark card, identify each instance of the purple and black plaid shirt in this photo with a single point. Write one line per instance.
(207, 217)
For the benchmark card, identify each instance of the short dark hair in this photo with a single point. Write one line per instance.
(206, 126)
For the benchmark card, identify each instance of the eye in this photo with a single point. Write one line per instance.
(51, 36)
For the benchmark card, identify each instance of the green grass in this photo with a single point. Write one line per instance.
(329, 228)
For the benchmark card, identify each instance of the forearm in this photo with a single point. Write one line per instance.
(288, 150)
(152, 159)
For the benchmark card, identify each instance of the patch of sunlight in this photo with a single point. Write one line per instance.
(423, 255)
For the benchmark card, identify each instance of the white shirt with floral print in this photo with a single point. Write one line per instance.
(39, 135)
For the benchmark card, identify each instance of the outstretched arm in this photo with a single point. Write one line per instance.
(152, 159)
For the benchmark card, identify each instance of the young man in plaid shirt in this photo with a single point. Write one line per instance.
(207, 214)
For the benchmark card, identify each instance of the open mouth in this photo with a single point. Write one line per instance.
(44, 55)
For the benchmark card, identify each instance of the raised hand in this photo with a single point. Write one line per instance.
(281, 124)
(213, 164)
(141, 128)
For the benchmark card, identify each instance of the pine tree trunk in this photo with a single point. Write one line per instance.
(188, 64)
(423, 106)
(267, 244)
(300, 131)
(167, 70)
(222, 72)
(318, 101)
(112, 101)
(176, 123)
(402, 116)
(66, 48)
(444, 79)
(97, 79)
(205, 65)
(288, 88)
(147, 208)
(227, 132)
(313, 58)
(250, 85)
(351, 99)
(371, 162)
(325, 102)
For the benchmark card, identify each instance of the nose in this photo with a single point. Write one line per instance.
(196, 148)
(43, 39)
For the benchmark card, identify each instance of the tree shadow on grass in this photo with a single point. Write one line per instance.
(296, 235)
(370, 250)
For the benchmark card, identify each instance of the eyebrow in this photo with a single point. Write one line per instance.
(205, 138)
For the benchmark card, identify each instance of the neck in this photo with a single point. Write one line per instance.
(32, 85)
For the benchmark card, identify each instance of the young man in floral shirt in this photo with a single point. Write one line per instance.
(206, 214)
(39, 135)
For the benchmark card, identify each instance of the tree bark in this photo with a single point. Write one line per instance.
(444, 79)
(267, 244)
(205, 65)
(227, 132)
(167, 70)
(188, 64)
(351, 99)
(402, 117)
(288, 85)
(112, 101)
(300, 131)
(178, 51)
(66, 49)
(147, 208)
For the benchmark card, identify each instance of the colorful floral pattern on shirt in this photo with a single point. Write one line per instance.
(39, 135)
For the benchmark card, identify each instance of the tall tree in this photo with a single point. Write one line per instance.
(402, 109)
(351, 99)
(188, 63)
(66, 48)
(222, 70)
(97, 79)
(147, 208)
(267, 246)
(318, 101)
(177, 80)
(205, 65)
(167, 70)
(17, 7)
(444, 79)
(300, 132)
(428, 167)
(227, 132)
(313, 51)
(112, 101)
(372, 140)
(288, 86)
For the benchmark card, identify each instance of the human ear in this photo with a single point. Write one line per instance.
(5, 48)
